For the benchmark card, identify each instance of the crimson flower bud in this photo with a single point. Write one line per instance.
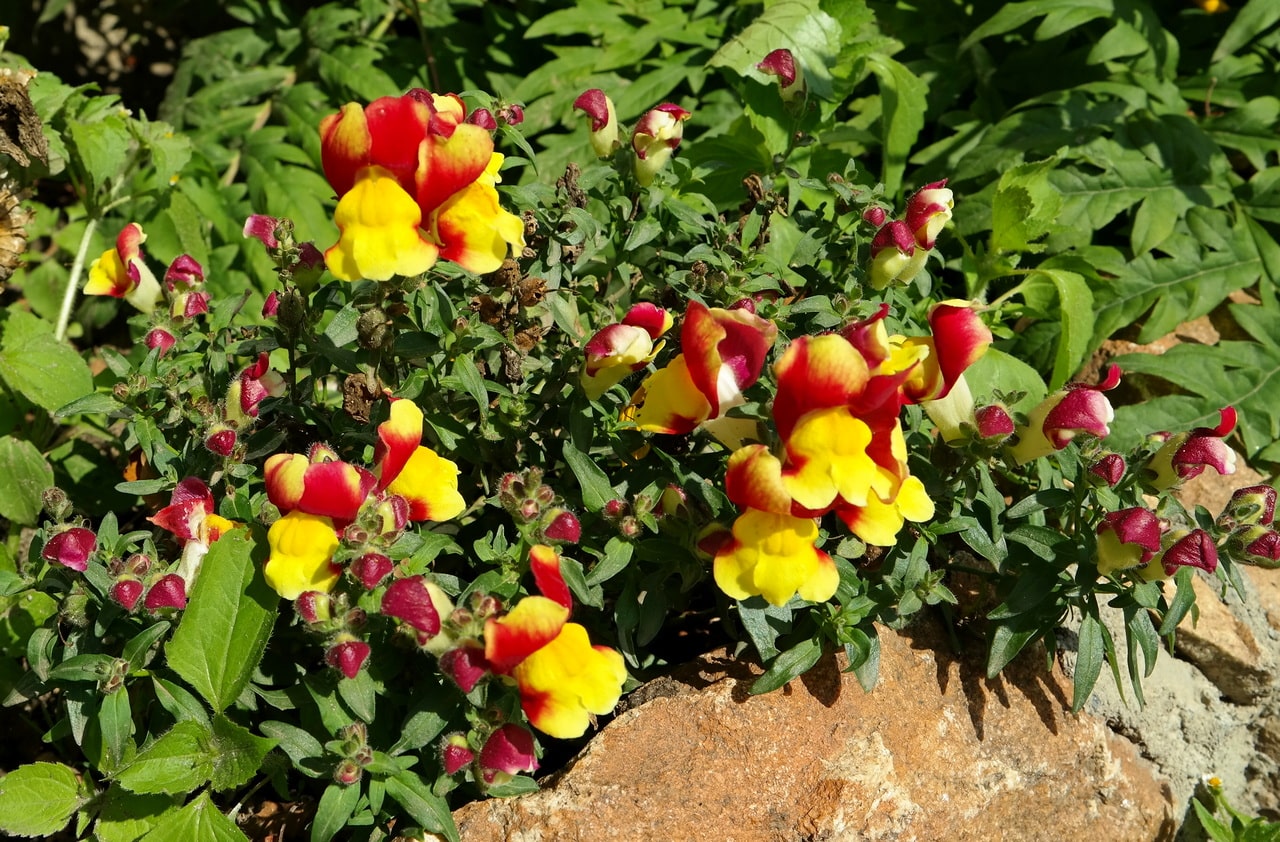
(1255, 544)
(512, 115)
(263, 229)
(507, 752)
(1127, 538)
(411, 601)
(126, 592)
(1077, 409)
(170, 592)
(1186, 455)
(782, 63)
(1110, 468)
(71, 548)
(160, 338)
(188, 305)
(615, 509)
(313, 607)
(874, 216)
(465, 665)
(894, 256)
(655, 139)
(185, 270)
(604, 121)
(748, 304)
(455, 753)
(271, 306)
(1183, 549)
(348, 656)
(1255, 504)
(561, 525)
(483, 118)
(221, 440)
(370, 569)
(993, 422)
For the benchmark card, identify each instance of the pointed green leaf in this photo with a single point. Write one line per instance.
(177, 763)
(24, 477)
(237, 753)
(38, 799)
(1090, 654)
(427, 809)
(201, 820)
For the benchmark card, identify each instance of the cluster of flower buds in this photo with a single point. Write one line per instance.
(240, 408)
(507, 751)
(332, 618)
(352, 746)
(299, 264)
(653, 141)
(537, 508)
(1248, 521)
(506, 114)
(901, 247)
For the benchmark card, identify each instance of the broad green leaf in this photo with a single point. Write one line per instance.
(201, 820)
(902, 105)
(464, 369)
(177, 763)
(996, 370)
(812, 36)
(1060, 16)
(791, 663)
(1090, 654)
(1025, 207)
(237, 753)
(1254, 19)
(427, 809)
(596, 488)
(764, 622)
(225, 626)
(24, 477)
(336, 806)
(39, 799)
(43, 370)
(1076, 315)
(101, 148)
(296, 742)
(126, 817)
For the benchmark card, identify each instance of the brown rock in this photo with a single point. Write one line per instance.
(936, 751)
(1267, 584)
(1223, 647)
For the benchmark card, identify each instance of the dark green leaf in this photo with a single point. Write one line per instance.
(237, 754)
(427, 809)
(788, 665)
(596, 488)
(201, 820)
(177, 763)
(24, 477)
(336, 806)
(1090, 654)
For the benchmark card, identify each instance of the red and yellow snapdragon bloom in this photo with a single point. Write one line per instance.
(319, 494)
(416, 182)
(837, 413)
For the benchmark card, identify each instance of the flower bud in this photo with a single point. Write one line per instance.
(673, 502)
(271, 306)
(894, 256)
(169, 593)
(420, 604)
(71, 548)
(1110, 469)
(483, 118)
(1077, 409)
(874, 216)
(528, 510)
(221, 440)
(782, 63)
(1255, 504)
(993, 422)
(561, 525)
(1127, 538)
(512, 115)
(655, 139)
(455, 753)
(1186, 455)
(1255, 544)
(370, 569)
(507, 752)
(160, 338)
(313, 607)
(56, 503)
(615, 509)
(305, 272)
(185, 270)
(465, 665)
(348, 773)
(1185, 548)
(604, 121)
(348, 656)
(928, 211)
(263, 229)
(393, 515)
(126, 592)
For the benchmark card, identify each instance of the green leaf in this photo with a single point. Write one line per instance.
(93, 404)
(763, 623)
(427, 809)
(1217, 831)
(126, 817)
(1060, 16)
(996, 370)
(1024, 207)
(1007, 640)
(336, 806)
(788, 665)
(1250, 22)
(812, 36)
(1075, 309)
(296, 742)
(177, 763)
(43, 370)
(903, 101)
(596, 488)
(1090, 654)
(24, 477)
(39, 799)
(359, 694)
(201, 820)
(116, 723)
(102, 149)
(1183, 598)
(226, 624)
(617, 555)
(138, 650)
(237, 753)
(464, 369)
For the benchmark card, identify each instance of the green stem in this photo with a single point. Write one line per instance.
(73, 283)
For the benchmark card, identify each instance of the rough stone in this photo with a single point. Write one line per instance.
(1222, 643)
(936, 751)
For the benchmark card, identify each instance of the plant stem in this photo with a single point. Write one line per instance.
(73, 283)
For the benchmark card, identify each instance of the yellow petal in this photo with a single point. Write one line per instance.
(380, 234)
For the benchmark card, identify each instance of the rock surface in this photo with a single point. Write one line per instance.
(936, 752)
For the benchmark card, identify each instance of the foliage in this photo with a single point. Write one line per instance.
(587, 377)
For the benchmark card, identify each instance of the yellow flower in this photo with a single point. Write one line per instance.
(773, 555)
(301, 548)
(380, 235)
(564, 682)
(430, 483)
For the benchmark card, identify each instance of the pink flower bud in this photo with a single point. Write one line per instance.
(655, 139)
(183, 270)
(1127, 538)
(894, 257)
(529, 510)
(170, 592)
(263, 229)
(348, 773)
(1255, 504)
(1077, 409)
(1255, 544)
(409, 600)
(188, 305)
(313, 607)
(483, 118)
(126, 593)
(993, 422)
(512, 115)
(1194, 549)
(1110, 469)
(674, 502)
(348, 656)
(780, 63)
(874, 216)
(465, 665)
(615, 509)
(604, 121)
(160, 338)
(1186, 455)
(221, 440)
(928, 211)
(71, 548)
(455, 754)
(507, 752)
(561, 525)
(370, 569)
(271, 306)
